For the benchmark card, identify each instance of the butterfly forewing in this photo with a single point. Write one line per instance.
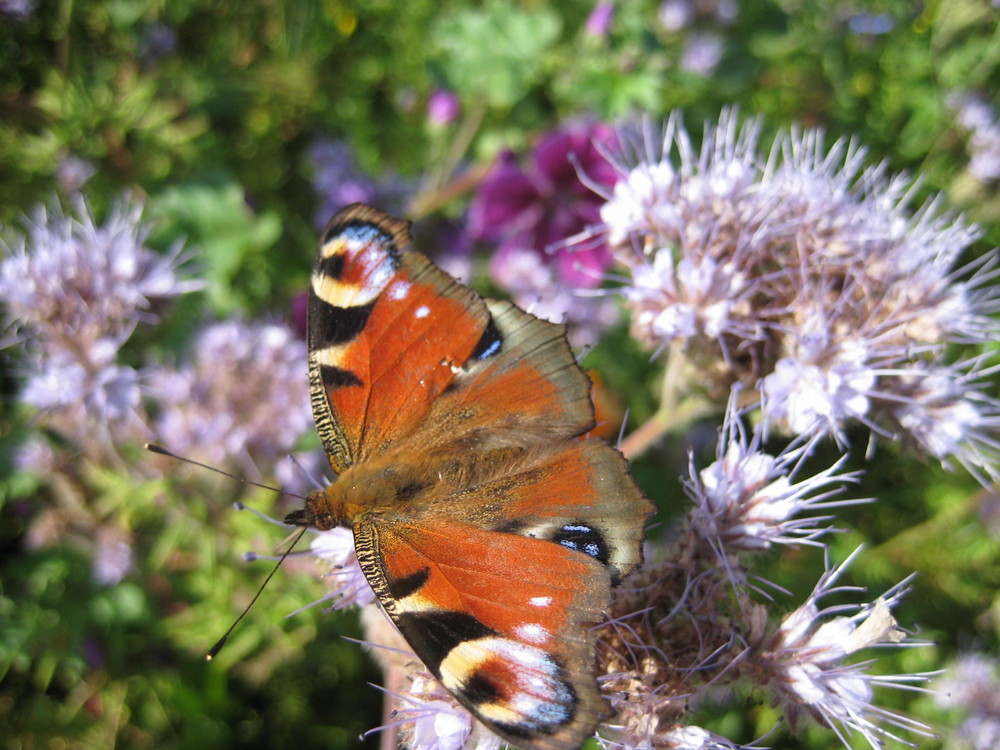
(526, 389)
(386, 330)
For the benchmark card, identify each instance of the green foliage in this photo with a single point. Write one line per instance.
(495, 53)
(233, 242)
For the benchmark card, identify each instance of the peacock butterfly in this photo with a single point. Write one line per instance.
(490, 529)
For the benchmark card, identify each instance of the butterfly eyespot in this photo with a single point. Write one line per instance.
(583, 538)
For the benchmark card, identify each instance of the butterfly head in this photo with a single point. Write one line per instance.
(316, 513)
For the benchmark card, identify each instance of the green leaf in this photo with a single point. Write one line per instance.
(494, 53)
(231, 240)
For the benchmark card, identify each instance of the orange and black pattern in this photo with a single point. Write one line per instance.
(490, 531)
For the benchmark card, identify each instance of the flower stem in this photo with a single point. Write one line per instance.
(672, 413)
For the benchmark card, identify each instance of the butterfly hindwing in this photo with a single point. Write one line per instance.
(577, 495)
(496, 573)
(386, 329)
(500, 619)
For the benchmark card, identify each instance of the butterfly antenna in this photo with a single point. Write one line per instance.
(154, 448)
(222, 641)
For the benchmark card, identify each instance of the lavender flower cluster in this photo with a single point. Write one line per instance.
(75, 292)
(805, 275)
(242, 398)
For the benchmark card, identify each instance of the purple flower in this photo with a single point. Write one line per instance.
(805, 275)
(37, 456)
(677, 737)
(676, 15)
(75, 291)
(972, 685)
(432, 720)
(350, 587)
(159, 40)
(541, 207)
(702, 53)
(535, 286)
(808, 662)
(69, 277)
(978, 121)
(73, 173)
(18, 9)
(600, 18)
(871, 24)
(244, 396)
(336, 178)
(299, 313)
(443, 107)
(112, 556)
(339, 182)
(747, 499)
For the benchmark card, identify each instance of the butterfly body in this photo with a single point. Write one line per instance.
(490, 530)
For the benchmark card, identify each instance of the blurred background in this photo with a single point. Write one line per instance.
(206, 143)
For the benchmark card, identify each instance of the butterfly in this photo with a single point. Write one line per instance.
(489, 529)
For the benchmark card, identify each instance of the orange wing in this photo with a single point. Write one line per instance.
(386, 331)
(577, 493)
(503, 621)
(397, 348)
(490, 533)
(496, 582)
(527, 389)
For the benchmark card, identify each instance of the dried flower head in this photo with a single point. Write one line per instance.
(686, 621)
(806, 275)
(806, 663)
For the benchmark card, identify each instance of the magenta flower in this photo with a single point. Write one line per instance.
(540, 207)
(600, 18)
(443, 107)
